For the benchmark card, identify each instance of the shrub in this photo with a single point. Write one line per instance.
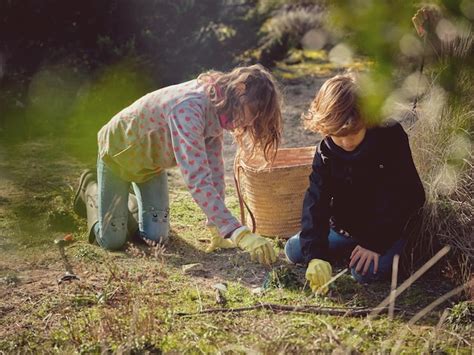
(285, 30)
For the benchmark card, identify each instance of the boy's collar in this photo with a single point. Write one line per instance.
(338, 151)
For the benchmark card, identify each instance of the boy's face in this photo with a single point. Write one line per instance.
(350, 141)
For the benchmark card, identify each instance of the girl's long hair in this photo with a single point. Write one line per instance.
(260, 94)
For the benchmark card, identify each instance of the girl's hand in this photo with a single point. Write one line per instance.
(218, 242)
(259, 248)
(363, 257)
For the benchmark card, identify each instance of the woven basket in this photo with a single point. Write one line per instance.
(274, 194)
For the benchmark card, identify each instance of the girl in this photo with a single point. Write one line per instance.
(181, 125)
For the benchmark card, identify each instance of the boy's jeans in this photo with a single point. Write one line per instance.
(342, 246)
(153, 208)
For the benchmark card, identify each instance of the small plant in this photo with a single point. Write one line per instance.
(60, 217)
(282, 277)
(461, 316)
(10, 280)
(87, 252)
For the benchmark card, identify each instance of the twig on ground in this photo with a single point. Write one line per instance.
(407, 283)
(332, 333)
(393, 288)
(356, 312)
(426, 310)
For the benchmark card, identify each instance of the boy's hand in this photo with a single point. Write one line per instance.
(363, 257)
(259, 248)
(318, 273)
(218, 242)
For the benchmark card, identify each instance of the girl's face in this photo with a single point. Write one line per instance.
(350, 141)
(244, 117)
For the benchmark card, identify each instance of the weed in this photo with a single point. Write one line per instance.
(282, 277)
(461, 316)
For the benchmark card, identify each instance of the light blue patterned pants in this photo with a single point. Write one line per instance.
(113, 194)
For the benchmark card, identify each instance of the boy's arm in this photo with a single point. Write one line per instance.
(405, 196)
(316, 213)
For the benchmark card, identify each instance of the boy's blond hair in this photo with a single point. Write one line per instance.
(262, 96)
(335, 109)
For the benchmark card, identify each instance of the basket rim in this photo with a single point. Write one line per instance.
(246, 165)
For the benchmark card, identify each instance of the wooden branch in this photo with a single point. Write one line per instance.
(336, 311)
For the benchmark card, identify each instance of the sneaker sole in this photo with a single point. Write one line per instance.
(78, 206)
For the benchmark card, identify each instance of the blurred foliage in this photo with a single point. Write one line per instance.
(67, 68)
(286, 28)
(165, 34)
(100, 99)
(383, 31)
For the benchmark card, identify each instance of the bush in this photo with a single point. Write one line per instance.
(286, 29)
(442, 149)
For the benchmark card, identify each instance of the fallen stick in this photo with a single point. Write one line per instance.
(336, 311)
(393, 288)
(425, 311)
(407, 283)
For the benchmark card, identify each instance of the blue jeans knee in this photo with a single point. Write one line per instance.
(369, 277)
(293, 250)
(153, 208)
(384, 266)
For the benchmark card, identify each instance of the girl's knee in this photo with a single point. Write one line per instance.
(158, 235)
(113, 235)
(156, 225)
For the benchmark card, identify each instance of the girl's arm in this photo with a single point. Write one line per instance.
(214, 149)
(187, 135)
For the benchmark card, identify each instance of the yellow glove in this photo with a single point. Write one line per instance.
(260, 248)
(318, 273)
(218, 242)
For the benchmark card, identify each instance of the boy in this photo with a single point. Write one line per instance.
(364, 188)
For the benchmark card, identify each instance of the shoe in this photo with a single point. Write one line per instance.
(79, 204)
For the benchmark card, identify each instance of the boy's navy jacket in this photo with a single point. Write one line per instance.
(371, 192)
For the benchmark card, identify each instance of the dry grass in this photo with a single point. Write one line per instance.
(442, 149)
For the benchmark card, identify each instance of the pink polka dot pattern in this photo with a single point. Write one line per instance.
(168, 127)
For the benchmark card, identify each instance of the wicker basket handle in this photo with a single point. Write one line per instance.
(242, 203)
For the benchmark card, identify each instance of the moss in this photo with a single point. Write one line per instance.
(305, 63)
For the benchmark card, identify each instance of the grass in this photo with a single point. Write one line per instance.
(309, 63)
(442, 149)
(128, 301)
